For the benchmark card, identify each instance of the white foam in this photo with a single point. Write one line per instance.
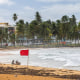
(59, 59)
(71, 63)
(57, 56)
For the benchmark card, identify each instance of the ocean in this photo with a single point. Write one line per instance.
(62, 58)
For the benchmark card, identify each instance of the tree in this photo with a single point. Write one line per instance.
(20, 27)
(45, 30)
(15, 17)
(54, 28)
(65, 19)
(12, 38)
(34, 28)
(21, 30)
(73, 20)
(26, 31)
(1, 36)
(59, 31)
(78, 32)
(75, 33)
(38, 17)
(65, 26)
(6, 36)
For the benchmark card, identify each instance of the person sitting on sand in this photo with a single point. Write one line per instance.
(17, 63)
(13, 62)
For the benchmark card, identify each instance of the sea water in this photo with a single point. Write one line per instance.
(63, 58)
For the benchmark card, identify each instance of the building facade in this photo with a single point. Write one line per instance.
(11, 29)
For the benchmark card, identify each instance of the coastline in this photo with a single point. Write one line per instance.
(20, 48)
(9, 54)
(8, 71)
(61, 74)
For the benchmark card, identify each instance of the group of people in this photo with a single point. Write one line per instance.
(15, 62)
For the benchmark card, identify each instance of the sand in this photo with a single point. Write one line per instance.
(26, 77)
(9, 72)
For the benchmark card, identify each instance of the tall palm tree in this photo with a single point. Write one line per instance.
(59, 32)
(34, 28)
(65, 19)
(65, 22)
(74, 20)
(20, 29)
(15, 17)
(78, 32)
(45, 30)
(38, 17)
(1, 36)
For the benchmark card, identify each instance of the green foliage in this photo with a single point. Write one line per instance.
(1, 34)
(20, 28)
(38, 17)
(65, 28)
(65, 19)
(12, 38)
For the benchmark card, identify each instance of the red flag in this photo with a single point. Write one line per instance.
(24, 52)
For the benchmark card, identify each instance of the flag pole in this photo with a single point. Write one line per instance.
(28, 59)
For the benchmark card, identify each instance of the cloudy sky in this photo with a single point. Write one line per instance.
(49, 9)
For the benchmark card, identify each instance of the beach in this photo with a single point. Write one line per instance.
(26, 77)
(40, 57)
(19, 72)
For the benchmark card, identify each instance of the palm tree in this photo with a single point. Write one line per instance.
(45, 30)
(1, 36)
(26, 25)
(78, 32)
(59, 30)
(65, 19)
(15, 18)
(54, 28)
(12, 38)
(6, 36)
(65, 26)
(73, 20)
(20, 30)
(34, 28)
(75, 31)
(38, 17)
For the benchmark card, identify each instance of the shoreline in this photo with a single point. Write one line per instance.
(39, 71)
(17, 48)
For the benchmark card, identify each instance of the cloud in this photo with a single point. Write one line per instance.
(6, 17)
(53, 12)
(5, 20)
(58, 1)
(8, 2)
(2, 19)
(27, 14)
(49, 0)
(58, 10)
(28, 8)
